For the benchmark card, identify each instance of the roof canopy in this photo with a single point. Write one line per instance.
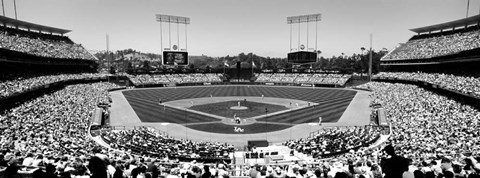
(31, 26)
(449, 25)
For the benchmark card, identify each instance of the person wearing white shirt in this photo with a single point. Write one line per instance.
(28, 160)
(37, 161)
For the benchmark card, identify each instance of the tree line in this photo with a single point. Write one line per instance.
(122, 61)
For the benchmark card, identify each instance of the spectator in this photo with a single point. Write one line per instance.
(206, 172)
(395, 165)
(12, 171)
(119, 172)
(152, 168)
(50, 171)
(97, 167)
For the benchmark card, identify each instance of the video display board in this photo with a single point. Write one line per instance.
(175, 58)
(302, 57)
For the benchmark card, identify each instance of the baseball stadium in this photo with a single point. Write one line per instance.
(409, 111)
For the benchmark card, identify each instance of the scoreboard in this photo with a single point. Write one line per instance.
(302, 57)
(175, 58)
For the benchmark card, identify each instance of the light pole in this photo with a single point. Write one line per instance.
(15, 7)
(266, 124)
(361, 62)
(186, 122)
(370, 60)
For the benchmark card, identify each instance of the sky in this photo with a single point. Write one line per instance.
(229, 27)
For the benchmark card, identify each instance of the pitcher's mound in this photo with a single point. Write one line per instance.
(238, 107)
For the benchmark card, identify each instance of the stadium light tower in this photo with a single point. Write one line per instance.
(15, 7)
(173, 55)
(370, 59)
(304, 19)
(303, 54)
(3, 8)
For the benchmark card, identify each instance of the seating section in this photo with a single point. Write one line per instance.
(43, 45)
(55, 126)
(328, 79)
(14, 84)
(55, 123)
(469, 85)
(335, 140)
(435, 45)
(427, 125)
(146, 141)
(175, 78)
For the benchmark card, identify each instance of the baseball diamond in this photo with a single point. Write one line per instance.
(192, 111)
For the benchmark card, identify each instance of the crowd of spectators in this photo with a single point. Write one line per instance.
(147, 141)
(51, 128)
(335, 140)
(467, 85)
(328, 79)
(55, 123)
(175, 78)
(47, 137)
(438, 135)
(43, 45)
(436, 45)
(12, 84)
